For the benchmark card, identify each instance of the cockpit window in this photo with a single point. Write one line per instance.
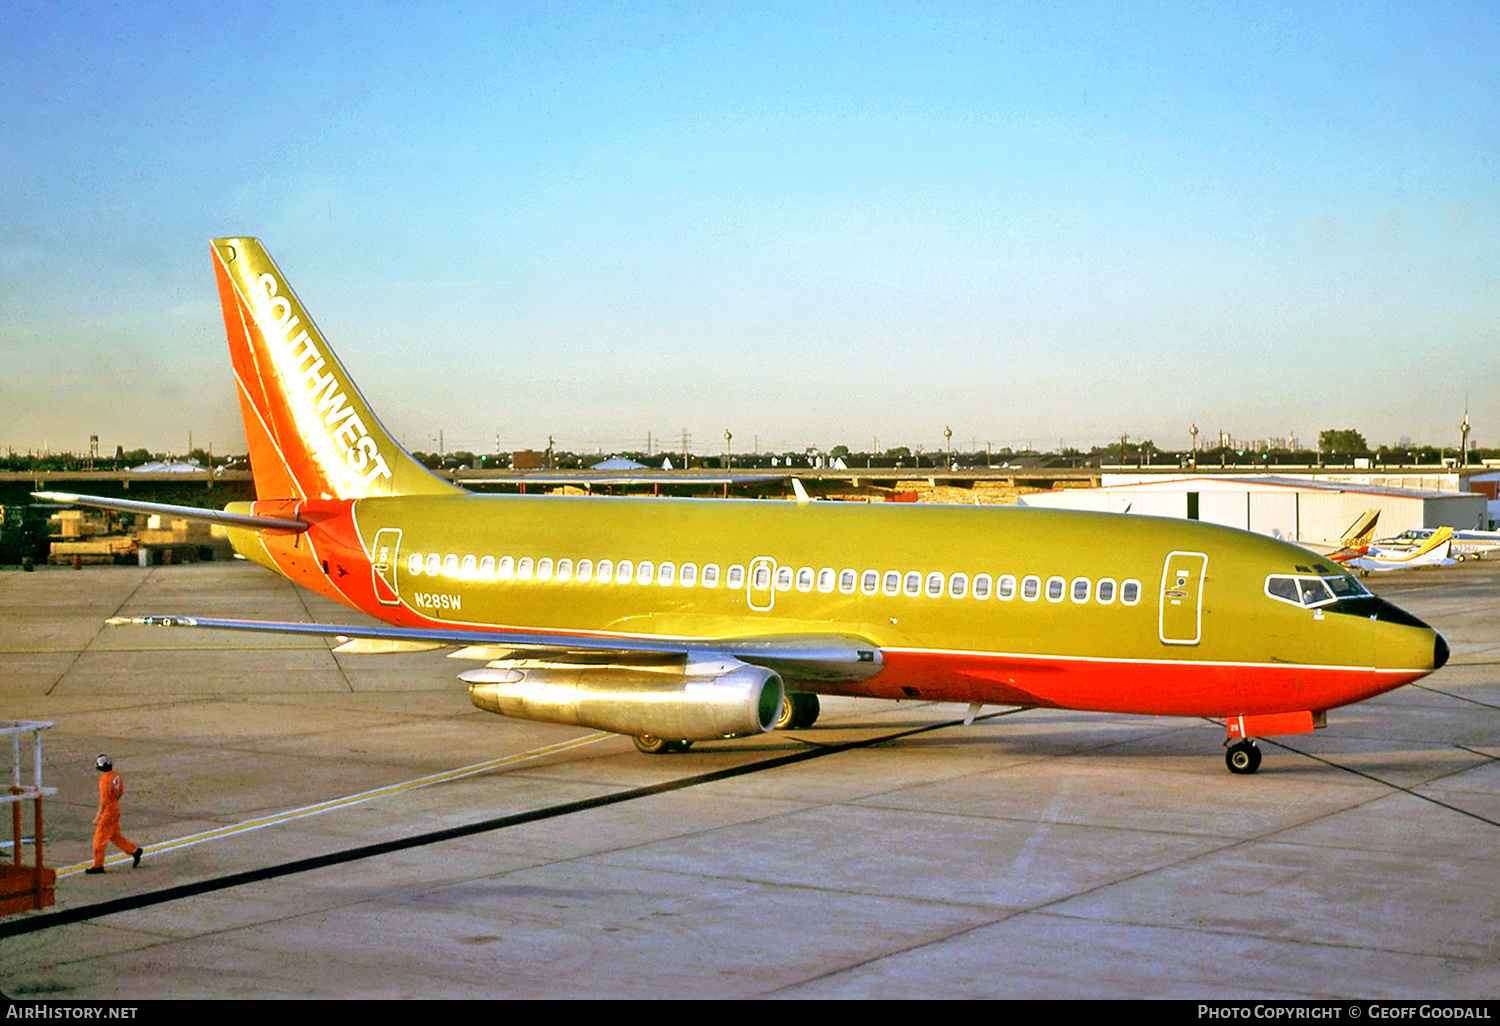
(1284, 588)
(1346, 587)
(1312, 591)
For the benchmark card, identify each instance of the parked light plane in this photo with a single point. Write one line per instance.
(1470, 544)
(1434, 551)
(1355, 541)
(677, 620)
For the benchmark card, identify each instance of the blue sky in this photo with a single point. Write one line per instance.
(808, 224)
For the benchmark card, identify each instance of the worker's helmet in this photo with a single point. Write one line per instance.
(103, 764)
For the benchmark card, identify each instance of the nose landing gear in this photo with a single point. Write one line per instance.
(1242, 757)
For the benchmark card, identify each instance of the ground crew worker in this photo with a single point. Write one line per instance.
(107, 821)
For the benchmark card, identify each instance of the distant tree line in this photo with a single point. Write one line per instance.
(1339, 444)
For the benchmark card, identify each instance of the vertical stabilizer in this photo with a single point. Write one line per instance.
(311, 434)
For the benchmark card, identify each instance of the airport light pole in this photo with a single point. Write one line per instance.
(728, 452)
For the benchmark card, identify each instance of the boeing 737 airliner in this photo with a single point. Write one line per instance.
(680, 620)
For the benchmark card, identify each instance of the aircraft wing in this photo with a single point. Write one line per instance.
(803, 657)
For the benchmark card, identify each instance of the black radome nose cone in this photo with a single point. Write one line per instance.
(1439, 652)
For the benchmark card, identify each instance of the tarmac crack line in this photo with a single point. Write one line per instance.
(1461, 698)
(1045, 908)
(1386, 783)
(302, 598)
(98, 631)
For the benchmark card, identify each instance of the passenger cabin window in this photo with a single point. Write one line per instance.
(805, 579)
(450, 565)
(468, 566)
(734, 577)
(958, 585)
(604, 572)
(893, 582)
(544, 570)
(913, 583)
(624, 571)
(869, 582)
(523, 568)
(1130, 592)
(487, 567)
(1031, 589)
(414, 563)
(1055, 586)
(689, 575)
(666, 574)
(847, 581)
(934, 585)
(1005, 588)
(711, 575)
(982, 586)
(1105, 593)
(762, 577)
(644, 571)
(564, 569)
(783, 578)
(826, 579)
(1081, 588)
(585, 570)
(434, 563)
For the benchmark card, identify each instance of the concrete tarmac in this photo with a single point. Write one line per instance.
(1040, 854)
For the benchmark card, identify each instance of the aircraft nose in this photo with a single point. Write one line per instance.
(1405, 643)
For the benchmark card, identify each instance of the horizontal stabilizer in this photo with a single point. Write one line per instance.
(212, 516)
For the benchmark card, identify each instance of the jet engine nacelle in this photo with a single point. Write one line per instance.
(726, 698)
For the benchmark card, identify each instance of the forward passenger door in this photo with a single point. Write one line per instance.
(1181, 617)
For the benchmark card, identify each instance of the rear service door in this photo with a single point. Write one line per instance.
(383, 565)
(1182, 598)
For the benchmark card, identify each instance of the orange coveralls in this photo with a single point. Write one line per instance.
(107, 822)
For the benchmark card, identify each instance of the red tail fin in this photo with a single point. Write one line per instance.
(311, 434)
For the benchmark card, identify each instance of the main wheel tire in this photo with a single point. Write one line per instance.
(650, 744)
(786, 714)
(805, 709)
(799, 709)
(1243, 757)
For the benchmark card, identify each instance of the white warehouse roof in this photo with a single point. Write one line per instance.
(1295, 509)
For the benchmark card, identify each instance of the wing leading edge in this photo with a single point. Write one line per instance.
(808, 658)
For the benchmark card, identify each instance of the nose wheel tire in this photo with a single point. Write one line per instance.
(1243, 757)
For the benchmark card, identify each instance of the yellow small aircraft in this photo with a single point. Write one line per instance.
(682, 620)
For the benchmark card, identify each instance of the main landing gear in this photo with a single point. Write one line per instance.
(1242, 757)
(653, 745)
(799, 710)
